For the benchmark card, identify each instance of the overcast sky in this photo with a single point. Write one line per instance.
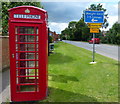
(61, 13)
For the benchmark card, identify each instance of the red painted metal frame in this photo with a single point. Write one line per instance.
(41, 77)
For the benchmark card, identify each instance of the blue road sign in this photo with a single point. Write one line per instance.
(94, 16)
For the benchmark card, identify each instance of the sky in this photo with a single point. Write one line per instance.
(61, 12)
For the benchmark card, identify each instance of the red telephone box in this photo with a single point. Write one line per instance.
(28, 53)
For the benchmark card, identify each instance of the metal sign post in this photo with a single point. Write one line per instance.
(93, 47)
(94, 20)
(93, 54)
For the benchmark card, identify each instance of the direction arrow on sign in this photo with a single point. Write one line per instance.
(93, 20)
(93, 30)
(94, 16)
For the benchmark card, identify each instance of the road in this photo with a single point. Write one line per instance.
(103, 49)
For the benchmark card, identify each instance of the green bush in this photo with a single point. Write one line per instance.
(50, 39)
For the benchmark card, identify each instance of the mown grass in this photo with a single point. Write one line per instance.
(73, 79)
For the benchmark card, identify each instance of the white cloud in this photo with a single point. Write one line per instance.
(115, 6)
(103, 4)
(57, 27)
(111, 21)
(112, 9)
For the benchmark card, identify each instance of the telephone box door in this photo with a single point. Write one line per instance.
(26, 84)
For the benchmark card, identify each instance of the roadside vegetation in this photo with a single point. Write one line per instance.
(73, 79)
(112, 36)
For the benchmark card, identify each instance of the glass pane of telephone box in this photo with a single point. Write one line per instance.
(27, 55)
(26, 30)
(27, 38)
(27, 47)
(28, 64)
(28, 72)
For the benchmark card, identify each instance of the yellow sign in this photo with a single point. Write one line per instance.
(94, 25)
(93, 30)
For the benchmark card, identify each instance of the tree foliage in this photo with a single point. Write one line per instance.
(113, 35)
(76, 31)
(8, 5)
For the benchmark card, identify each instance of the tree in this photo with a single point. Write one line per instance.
(8, 5)
(113, 36)
(76, 31)
(72, 24)
(85, 33)
(65, 33)
(115, 33)
(82, 31)
(72, 28)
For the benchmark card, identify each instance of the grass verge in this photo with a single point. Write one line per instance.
(73, 79)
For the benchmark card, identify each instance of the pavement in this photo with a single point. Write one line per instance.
(5, 86)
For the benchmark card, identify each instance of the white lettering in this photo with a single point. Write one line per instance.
(27, 16)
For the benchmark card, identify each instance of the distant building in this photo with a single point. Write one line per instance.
(54, 35)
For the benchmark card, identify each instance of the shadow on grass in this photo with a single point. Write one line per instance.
(62, 78)
(59, 95)
(58, 58)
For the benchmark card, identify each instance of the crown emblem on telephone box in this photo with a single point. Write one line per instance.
(27, 11)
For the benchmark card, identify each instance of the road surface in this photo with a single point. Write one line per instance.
(103, 49)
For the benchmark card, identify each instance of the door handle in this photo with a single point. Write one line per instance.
(13, 55)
